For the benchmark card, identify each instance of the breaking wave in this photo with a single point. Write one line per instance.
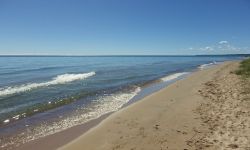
(207, 65)
(60, 79)
(173, 76)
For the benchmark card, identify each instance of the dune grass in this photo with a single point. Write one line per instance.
(244, 72)
(244, 69)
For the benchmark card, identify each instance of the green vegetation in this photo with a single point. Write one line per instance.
(244, 71)
(244, 68)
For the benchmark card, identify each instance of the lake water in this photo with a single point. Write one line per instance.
(43, 95)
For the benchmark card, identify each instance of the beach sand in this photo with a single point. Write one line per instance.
(191, 113)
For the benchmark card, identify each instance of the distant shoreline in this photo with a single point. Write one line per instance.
(219, 55)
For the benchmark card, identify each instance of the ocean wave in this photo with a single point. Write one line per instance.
(60, 79)
(173, 76)
(203, 66)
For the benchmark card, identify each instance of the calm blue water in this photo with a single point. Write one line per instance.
(66, 91)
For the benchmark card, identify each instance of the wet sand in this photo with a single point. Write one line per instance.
(52, 142)
(172, 118)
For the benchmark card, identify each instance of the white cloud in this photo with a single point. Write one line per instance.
(221, 47)
(223, 42)
(207, 48)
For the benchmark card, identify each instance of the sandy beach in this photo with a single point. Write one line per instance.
(184, 115)
(125, 75)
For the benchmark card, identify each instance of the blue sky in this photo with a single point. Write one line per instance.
(130, 27)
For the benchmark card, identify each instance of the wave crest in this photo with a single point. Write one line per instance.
(60, 79)
(65, 78)
(204, 66)
(173, 76)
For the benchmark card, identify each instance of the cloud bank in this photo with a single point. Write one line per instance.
(221, 47)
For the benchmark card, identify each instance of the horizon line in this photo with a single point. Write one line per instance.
(132, 55)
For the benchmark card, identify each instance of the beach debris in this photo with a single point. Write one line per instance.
(156, 126)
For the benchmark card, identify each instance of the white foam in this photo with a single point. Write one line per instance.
(6, 121)
(204, 66)
(102, 105)
(16, 117)
(60, 79)
(173, 76)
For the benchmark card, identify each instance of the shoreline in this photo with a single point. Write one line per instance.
(74, 132)
(71, 134)
(124, 124)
